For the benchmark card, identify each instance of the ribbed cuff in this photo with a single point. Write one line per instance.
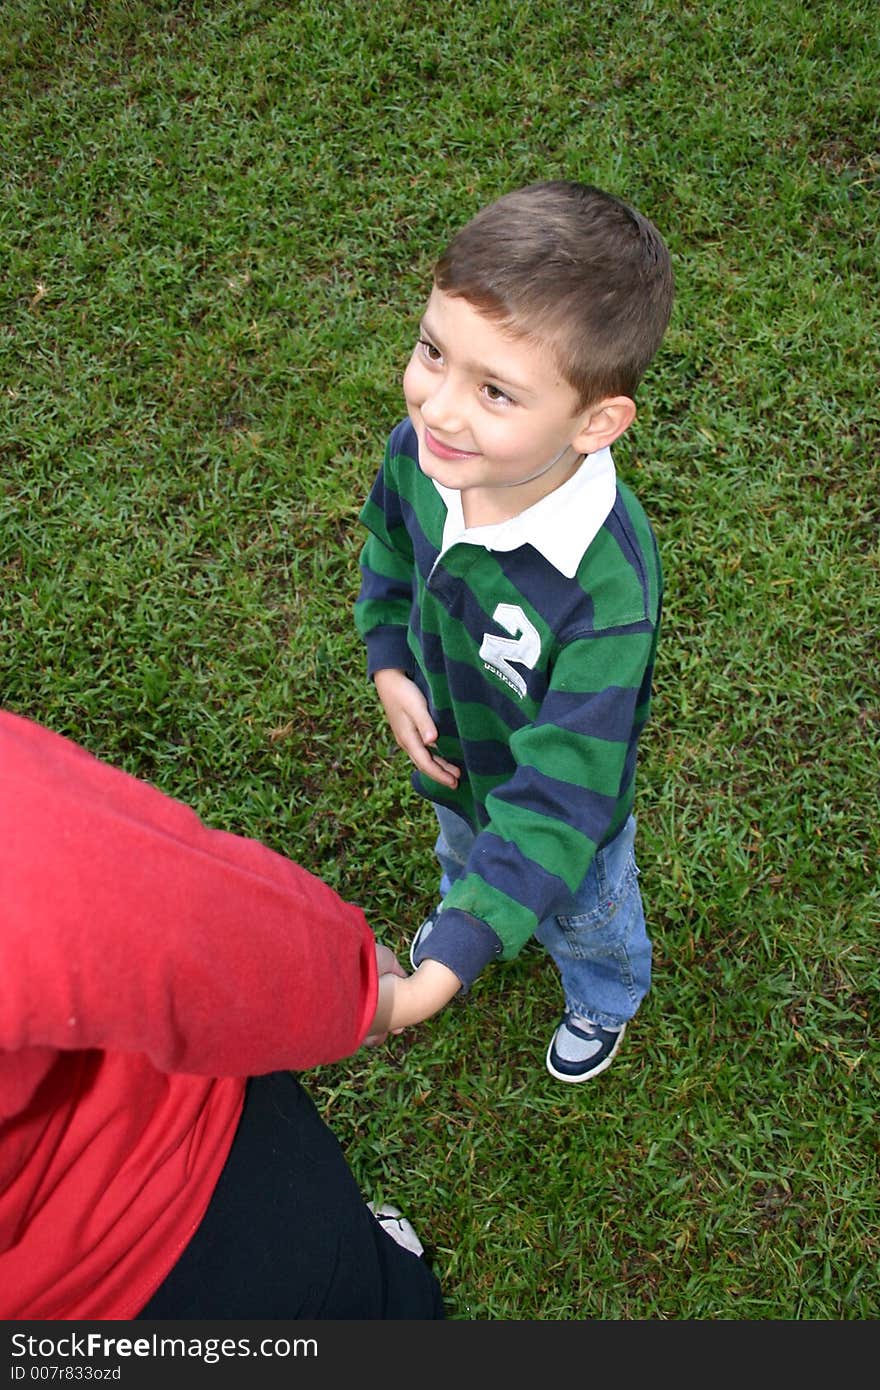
(462, 943)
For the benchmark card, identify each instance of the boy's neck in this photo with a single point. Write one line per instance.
(484, 507)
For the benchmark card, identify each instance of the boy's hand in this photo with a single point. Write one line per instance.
(410, 999)
(412, 726)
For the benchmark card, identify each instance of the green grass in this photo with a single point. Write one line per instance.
(216, 232)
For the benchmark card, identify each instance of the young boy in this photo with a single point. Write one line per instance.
(510, 602)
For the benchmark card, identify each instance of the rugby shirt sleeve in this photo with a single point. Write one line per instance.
(382, 608)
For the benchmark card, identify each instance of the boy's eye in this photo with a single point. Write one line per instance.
(429, 351)
(494, 393)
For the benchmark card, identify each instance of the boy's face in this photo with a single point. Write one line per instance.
(493, 416)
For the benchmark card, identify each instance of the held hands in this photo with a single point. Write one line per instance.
(387, 966)
(408, 999)
(387, 962)
(412, 726)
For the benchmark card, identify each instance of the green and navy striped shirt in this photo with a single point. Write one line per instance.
(533, 642)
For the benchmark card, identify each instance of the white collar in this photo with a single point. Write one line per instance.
(561, 525)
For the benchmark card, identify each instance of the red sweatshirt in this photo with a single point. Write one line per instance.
(148, 965)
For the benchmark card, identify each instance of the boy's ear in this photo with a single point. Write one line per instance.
(601, 424)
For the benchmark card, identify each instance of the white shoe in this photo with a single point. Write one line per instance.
(397, 1226)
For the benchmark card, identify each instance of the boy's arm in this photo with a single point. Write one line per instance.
(382, 613)
(382, 607)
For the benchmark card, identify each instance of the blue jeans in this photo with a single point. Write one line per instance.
(599, 944)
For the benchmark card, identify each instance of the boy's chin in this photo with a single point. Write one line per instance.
(433, 468)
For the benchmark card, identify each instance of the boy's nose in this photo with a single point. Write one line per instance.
(442, 411)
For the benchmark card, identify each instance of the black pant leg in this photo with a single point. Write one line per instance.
(287, 1233)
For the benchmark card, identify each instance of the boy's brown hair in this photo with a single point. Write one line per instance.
(566, 264)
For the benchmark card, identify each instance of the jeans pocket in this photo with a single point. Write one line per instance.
(607, 909)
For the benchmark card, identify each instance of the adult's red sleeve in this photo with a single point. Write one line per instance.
(127, 924)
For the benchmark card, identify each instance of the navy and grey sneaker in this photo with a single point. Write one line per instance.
(580, 1049)
(418, 941)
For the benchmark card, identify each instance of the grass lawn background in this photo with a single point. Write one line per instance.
(216, 234)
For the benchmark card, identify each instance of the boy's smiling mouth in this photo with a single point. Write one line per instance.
(445, 451)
